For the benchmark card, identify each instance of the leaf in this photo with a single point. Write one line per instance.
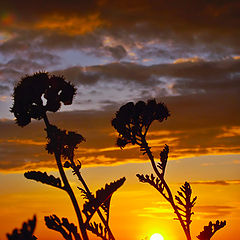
(68, 230)
(98, 230)
(163, 159)
(26, 232)
(155, 182)
(185, 204)
(44, 178)
(102, 199)
(208, 231)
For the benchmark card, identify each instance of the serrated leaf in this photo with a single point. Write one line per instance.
(98, 230)
(210, 229)
(68, 230)
(102, 198)
(44, 178)
(26, 232)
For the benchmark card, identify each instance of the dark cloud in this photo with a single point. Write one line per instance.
(189, 24)
(202, 94)
(204, 117)
(117, 52)
(78, 75)
(184, 132)
(190, 76)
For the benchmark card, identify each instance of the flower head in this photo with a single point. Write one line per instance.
(28, 95)
(133, 121)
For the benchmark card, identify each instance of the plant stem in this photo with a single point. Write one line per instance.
(68, 188)
(170, 197)
(90, 196)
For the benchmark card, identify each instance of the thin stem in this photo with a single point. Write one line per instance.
(71, 195)
(76, 170)
(170, 197)
(68, 188)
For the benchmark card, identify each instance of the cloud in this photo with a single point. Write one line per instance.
(80, 24)
(201, 91)
(217, 182)
(186, 137)
(200, 115)
(3, 89)
(214, 211)
(197, 75)
(118, 52)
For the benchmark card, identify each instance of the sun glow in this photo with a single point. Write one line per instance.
(156, 236)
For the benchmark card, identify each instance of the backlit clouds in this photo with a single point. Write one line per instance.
(184, 54)
(184, 134)
(213, 23)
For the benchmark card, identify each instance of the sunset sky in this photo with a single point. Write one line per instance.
(183, 53)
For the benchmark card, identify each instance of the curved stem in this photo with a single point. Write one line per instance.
(170, 197)
(68, 188)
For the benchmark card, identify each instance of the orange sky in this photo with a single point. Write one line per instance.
(185, 55)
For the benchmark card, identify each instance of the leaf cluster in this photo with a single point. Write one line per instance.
(44, 178)
(210, 229)
(68, 230)
(98, 230)
(26, 232)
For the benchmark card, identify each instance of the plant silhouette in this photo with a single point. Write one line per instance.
(28, 104)
(26, 232)
(132, 122)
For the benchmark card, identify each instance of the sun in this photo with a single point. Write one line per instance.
(156, 236)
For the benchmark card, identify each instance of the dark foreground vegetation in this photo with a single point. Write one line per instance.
(132, 122)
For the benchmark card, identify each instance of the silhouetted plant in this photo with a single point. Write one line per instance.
(26, 232)
(68, 230)
(28, 104)
(209, 230)
(132, 122)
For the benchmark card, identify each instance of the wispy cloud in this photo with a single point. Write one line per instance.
(207, 211)
(217, 182)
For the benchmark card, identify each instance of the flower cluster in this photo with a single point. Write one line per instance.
(28, 95)
(62, 141)
(131, 120)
